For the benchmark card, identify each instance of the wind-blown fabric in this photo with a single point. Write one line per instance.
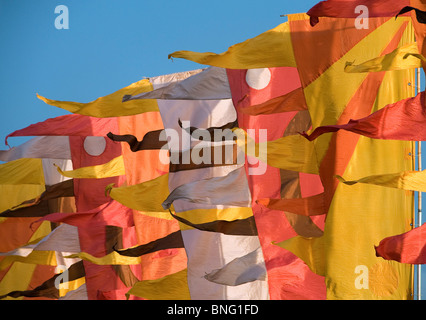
(213, 191)
(67, 125)
(49, 288)
(90, 147)
(63, 238)
(281, 83)
(112, 168)
(402, 120)
(292, 101)
(310, 250)
(346, 9)
(406, 180)
(172, 240)
(309, 206)
(146, 196)
(102, 215)
(275, 45)
(408, 247)
(380, 8)
(250, 267)
(39, 147)
(151, 140)
(317, 67)
(22, 171)
(28, 268)
(404, 57)
(241, 227)
(170, 287)
(355, 95)
(290, 152)
(210, 84)
(61, 194)
(288, 277)
(106, 106)
(318, 258)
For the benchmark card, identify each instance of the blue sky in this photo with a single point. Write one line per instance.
(111, 44)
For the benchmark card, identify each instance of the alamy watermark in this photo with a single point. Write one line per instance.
(361, 281)
(215, 147)
(361, 22)
(61, 281)
(62, 20)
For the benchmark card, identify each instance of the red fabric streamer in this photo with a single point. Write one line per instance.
(408, 247)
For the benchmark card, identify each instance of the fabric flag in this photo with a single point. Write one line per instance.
(112, 258)
(405, 57)
(151, 140)
(49, 288)
(420, 15)
(171, 287)
(77, 294)
(372, 8)
(407, 113)
(112, 213)
(190, 126)
(406, 180)
(67, 125)
(146, 196)
(106, 106)
(408, 247)
(210, 84)
(22, 171)
(347, 9)
(289, 278)
(89, 148)
(302, 224)
(31, 179)
(317, 67)
(241, 227)
(250, 267)
(57, 197)
(213, 191)
(309, 206)
(112, 168)
(276, 51)
(292, 101)
(310, 250)
(62, 238)
(172, 240)
(355, 95)
(39, 147)
(289, 152)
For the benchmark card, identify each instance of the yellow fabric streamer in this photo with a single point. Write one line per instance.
(310, 250)
(404, 57)
(198, 216)
(112, 258)
(272, 48)
(291, 152)
(146, 196)
(113, 168)
(111, 105)
(22, 171)
(47, 258)
(406, 180)
(170, 287)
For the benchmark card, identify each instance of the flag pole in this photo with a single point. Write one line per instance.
(419, 199)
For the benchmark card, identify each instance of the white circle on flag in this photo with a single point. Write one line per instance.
(94, 146)
(258, 78)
